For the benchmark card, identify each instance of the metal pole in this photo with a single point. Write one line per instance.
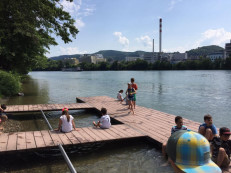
(69, 164)
(64, 154)
(46, 120)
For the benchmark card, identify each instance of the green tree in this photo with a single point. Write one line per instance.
(27, 29)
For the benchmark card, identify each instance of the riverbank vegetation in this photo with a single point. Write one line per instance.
(9, 84)
(201, 64)
(27, 30)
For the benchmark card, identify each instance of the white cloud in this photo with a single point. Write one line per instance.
(71, 51)
(173, 3)
(79, 23)
(71, 7)
(88, 11)
(214, 37)
(77, 11)
(146, 40)
(122, 40)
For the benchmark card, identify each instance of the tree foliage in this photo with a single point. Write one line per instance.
(27, 29)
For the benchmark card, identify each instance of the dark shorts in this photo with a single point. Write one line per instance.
(131, 98)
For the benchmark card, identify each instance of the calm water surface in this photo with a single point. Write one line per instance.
(190, 94)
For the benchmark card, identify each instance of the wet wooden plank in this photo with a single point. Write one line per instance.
(55, 137)
(30, 141)
(3, 141)
(12, 141)
(21, 142)
(47, 138)
(39, 139)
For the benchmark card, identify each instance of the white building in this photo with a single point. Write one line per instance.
(178, 57)
(216, 55)
(128, 58)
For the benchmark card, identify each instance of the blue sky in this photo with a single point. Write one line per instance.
(130, 25)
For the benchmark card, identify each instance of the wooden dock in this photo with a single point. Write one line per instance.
(146, 122)
(19, 141)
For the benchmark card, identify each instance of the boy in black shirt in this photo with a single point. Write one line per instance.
(220, 148)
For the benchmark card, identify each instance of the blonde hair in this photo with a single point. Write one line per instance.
(65, 112)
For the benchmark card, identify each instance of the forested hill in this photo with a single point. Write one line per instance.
(61, 57)
(120, 55)
(205, 50)
(108, 54)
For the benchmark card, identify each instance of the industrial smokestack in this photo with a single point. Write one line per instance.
(160, 35)
(153, 46)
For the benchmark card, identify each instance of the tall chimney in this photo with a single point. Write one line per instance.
(160, 35)
(153, 46)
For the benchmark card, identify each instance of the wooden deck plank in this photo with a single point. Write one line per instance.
(12, 141)
(30, 140)
(79, 137)
(55, 137)
(92, 133)
(21, 142)
(86, 135)
(64, 138)
(72, 138)
(39, 139)
(3, 141)
(47, 138)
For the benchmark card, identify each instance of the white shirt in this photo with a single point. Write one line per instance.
(105, 122)
(66, 126)
(119, 96)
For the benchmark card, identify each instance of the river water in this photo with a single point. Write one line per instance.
(190, 94)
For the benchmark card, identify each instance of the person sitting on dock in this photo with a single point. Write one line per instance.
(179, 126)
(221, 148)
(105, 120)
(130, 92)
(208, 129)
(120, 96)
(66, 122)
(3, 116)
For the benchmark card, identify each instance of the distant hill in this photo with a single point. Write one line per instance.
(108, 54)
(61, 57)
(205, 50)
(120, 55)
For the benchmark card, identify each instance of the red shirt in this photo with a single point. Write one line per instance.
(135, 86)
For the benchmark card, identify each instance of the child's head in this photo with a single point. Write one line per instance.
(121, 91)
(3, 106)
(132, 80)
(225, 133)
(208, 120)
(103, 111)
(64, 111)
(179, 121)
(129, 85)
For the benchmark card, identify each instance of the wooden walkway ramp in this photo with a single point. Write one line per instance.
(155, 124)
(46, 107)
(19, 141)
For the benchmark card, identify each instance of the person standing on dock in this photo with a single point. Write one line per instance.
(134, 85)
(66, 122)
(130, 92)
